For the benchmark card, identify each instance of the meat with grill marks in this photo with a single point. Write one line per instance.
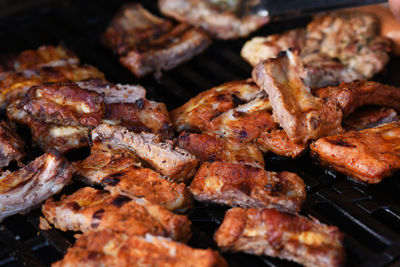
(64, 103)
(368, 117)
(302, 116)
(222, 19)
(27, 187)
(243, 185)
(146, 43)
(91, 209)
(107, 248)
(278, 142)
(211, 147)
(196, 114)
(281, 234)
(368, 155)
(172, 162)
(120, 173)
(11, 145)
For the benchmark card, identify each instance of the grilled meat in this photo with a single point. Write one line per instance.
(349, 96)
(211, 147)
(64, 103)
(197, 113)
(280, 234)
(122, 174)
(243, 185)
(336, 47)
(11, 145)
(107, 248)
(90, 209)
(277, 141)
(368, 155)
(141, 116)
(27, 187)
(368, 117)
(302, 116)
(16, 84)
(222, 19)
(146, 43)
(173, 162)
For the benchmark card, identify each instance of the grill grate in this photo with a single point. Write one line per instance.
(368, 215)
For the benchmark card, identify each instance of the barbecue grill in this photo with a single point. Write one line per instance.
(369, 215)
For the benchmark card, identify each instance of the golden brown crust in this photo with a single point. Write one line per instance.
(368, 117)
(246, 186)
(11, 145)
(280, 234)
(90, 209)
(277, 141)
(108, 248)
(210, 147)
(368, 155)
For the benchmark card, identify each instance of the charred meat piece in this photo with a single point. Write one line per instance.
(16, 84)
(349, 96)
(277, 141)
(247, 186)
(114, 93)
(280, 234)
(11, 145)
(146, 43)
(210, 147)
(122, 174)
(222, 19)
(27, 187)
(336, 47)
(49, 136)
(107, 248)
(201, 109)
(90, 209)
(368, 155)
(173, 162)
(245, 122)
(302, 116)
(368, 117)
(142, 116)
(64, 103)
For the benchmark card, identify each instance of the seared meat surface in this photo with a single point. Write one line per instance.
(107, 248)
(146, 43)
(243, 185)
(173, 162)
(336, 47)
(278, 141)
(64, 103)
(11, 145)
(121, 174)
(90, 209)
(198, 112)
(222, 19)
(281, 234)
(302, 116)
(368, 117)
(368, 155)
(211, 147)
(27, 187)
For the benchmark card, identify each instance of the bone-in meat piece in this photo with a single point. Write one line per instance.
(368, 155)
(27, 187)
(302, 116)
(107, 248)
(90, 209)
(222, 19)
(121, 174)
(146, 43)
(280, 234)
(11, 145)
(277, 141)
(211, 147)
(247, 186)
(368, 117)
(64, 103)
(195, 114)
(173, 162)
